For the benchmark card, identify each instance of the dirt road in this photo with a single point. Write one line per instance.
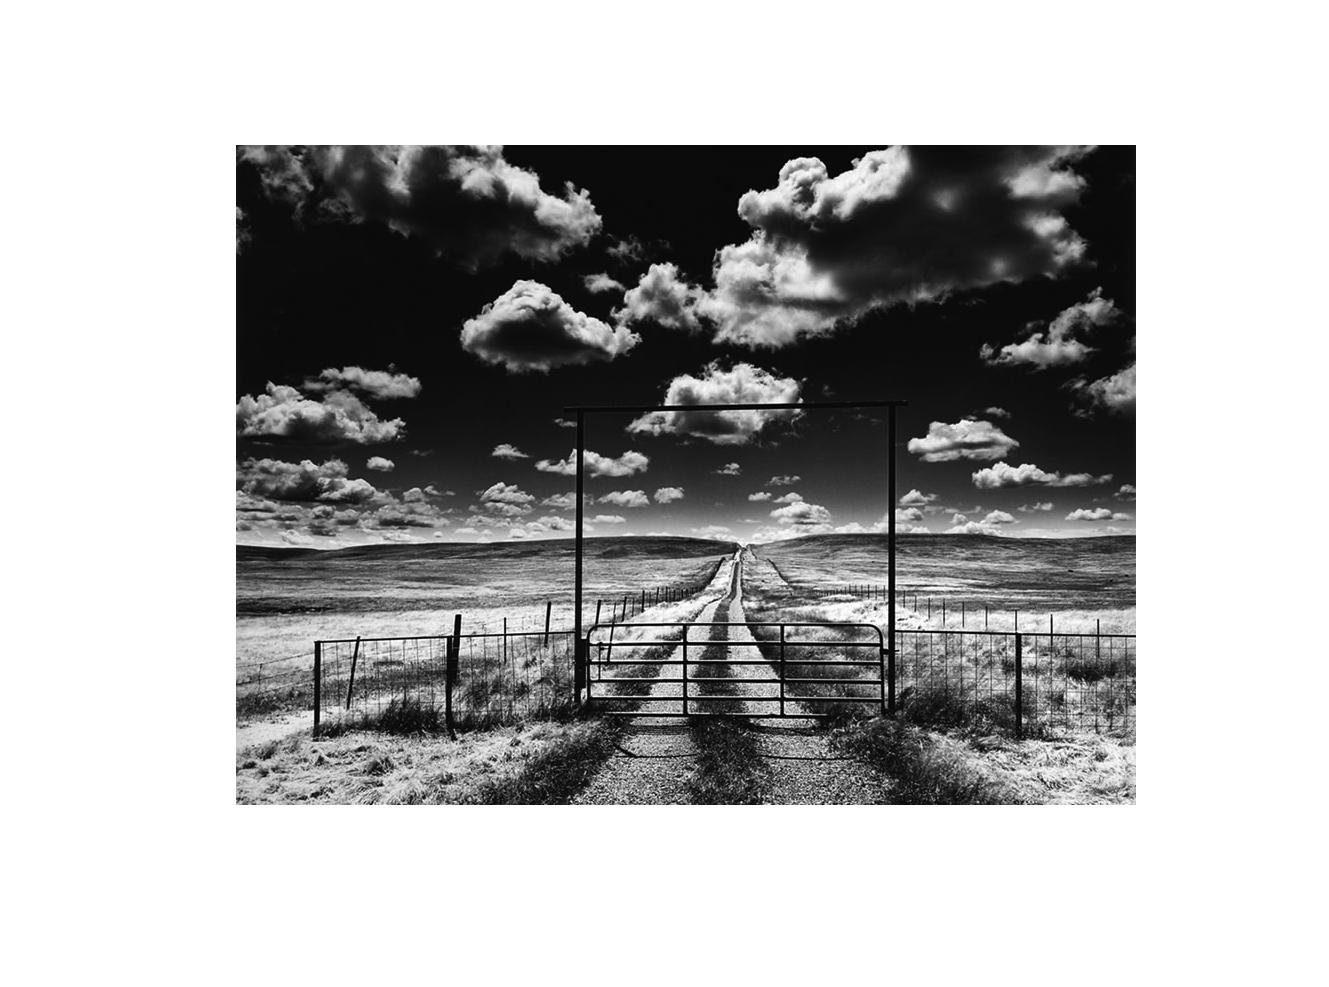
(657, 759)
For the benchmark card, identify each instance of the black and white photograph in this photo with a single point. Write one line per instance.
(681, 519)
(807, 476)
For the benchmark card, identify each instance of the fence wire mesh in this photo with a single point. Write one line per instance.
(1078, 682)
(500, 677)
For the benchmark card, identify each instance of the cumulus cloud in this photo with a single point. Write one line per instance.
(718, 531)
(901, 226)
(743, 384)
(530, 328)
(790, 498)
(625, 498)
(667, 495)
(380, 463)
(1127, 492)
(1035, 507)
(1060, 344)
(1085, 514)
(730, 469)
(1027, 474)
(759, 495)
(505, 493)
(999, 517)
(385, 384)
(966, 439)
(599, 284)
(508, 451)
(597, 465)
(284, 413)
(565, 422)
(1114, 395)
(973, 528)
(802, 514)
(995, 412)
(910, 515)
(916, 498)
(306, 480)
(563, 501)
(661, 298)
(609, 519)
(466, 202)
(787, 480)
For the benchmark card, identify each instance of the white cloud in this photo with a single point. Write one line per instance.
(995, 412)
(790, 498)
(743, 384)
(802, 514)
(910, 515)
(1096, 514)
(999, 517)
(667, 495)
(1027, 474)
(1127, 492)
(506, 450)
(380, 464)
(718, 531)
(304, 481)
(283, 412)
(661, 298)
(608, 519)
(466, 202)
(599, 284)
(966, 439)
(625, 498)
(1114, 394)
(783, 481)
(916, 498)
(730, 469)
(899, 227)
(759, 495)
(1062, 344)
(504, 500)
(1037, 506)
(386, 384)
(597, 465)
(564, 501)
(530, 328)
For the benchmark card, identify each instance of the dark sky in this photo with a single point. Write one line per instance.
(883, 280)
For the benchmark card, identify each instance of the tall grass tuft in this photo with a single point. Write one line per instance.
(925, 772)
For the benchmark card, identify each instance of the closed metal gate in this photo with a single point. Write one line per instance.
(757, 670)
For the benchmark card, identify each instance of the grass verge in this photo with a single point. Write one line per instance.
(926, 772)
(729, 769)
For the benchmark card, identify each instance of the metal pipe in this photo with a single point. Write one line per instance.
(890, 542)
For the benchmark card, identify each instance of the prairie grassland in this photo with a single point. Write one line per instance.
(287, 599)
(952, 739)
(532, 763)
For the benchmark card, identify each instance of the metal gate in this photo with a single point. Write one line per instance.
(774, 670)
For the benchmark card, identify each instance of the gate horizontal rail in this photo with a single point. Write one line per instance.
(800, 686)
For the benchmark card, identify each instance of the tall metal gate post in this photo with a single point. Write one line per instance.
(350, 686)
(782, 669)
(578, 648)
(890, 544)
(318, 684)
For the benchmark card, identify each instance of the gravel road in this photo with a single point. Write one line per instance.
(655, 755)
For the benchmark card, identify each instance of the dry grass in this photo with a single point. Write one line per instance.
(541, 763)
(926, 770)
(729, 769)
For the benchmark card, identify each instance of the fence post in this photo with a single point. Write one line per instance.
(318, 684)
(597, 610)
(350, 686)
(962, 614)
(943, 611)
(450, 674)
(782, 669)
(685, 669)
(1019, 686)
(549, 610)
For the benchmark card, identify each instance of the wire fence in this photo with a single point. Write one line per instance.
(496, 677)
(1026, 682)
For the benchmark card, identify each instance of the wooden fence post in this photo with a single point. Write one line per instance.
(318, 684)
(350, 686)
(1019, 686)
(549, 610)
(450, 674)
